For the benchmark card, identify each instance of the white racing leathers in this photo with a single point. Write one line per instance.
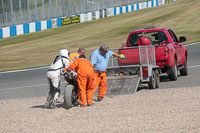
(55, 70)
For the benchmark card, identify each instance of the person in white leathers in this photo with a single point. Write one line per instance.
(55, 70)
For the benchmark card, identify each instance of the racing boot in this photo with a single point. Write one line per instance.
(48, 101)
(56, 96)
(54, 100)
(52, 104)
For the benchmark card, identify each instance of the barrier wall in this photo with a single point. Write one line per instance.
(57, 22)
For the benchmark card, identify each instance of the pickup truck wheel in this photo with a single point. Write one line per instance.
(173, 72)
(157, 78)
(184, 70)
(152, 80)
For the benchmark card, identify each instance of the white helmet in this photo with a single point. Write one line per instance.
(64, 52)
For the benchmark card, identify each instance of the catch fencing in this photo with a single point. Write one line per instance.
(14, 12)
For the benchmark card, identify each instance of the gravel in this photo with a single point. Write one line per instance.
(175, 110)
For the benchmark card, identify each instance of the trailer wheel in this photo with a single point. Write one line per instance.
(69, 93)
(173, 72)
(152, 80)
(157, 78)
(184, 70)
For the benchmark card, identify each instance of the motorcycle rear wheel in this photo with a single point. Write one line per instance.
(70, 96)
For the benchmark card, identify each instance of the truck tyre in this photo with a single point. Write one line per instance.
(152, 80)
(173, 72)
(184, 70)
(68, 96)
(157, 78)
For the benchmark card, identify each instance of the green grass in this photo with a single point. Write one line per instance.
(40, 48)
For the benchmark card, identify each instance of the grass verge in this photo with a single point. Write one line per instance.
(39, 49)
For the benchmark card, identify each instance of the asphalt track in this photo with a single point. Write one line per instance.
(32, 82)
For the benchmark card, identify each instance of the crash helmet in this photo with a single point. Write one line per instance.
(64, 53)
(144, 41)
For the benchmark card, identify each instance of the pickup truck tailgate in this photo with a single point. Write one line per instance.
(160, 53)
(132, 56)
(137, 55)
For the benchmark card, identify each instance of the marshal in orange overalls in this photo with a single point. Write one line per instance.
(86, 81)
(72, 57)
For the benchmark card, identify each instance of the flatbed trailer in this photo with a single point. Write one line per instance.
(124, 78)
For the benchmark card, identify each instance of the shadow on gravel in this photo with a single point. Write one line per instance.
(38, 106)
(58, 105)
(142, 87)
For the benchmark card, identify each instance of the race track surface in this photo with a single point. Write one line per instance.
(32, 83)
(174, 108)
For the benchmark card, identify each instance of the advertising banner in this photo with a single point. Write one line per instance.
(71, 20)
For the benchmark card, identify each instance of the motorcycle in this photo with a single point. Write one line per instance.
(70, 90)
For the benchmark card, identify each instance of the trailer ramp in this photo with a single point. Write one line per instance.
(122, 80)
(122, 85)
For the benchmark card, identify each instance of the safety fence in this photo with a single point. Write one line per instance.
(13, 12)
(32, 19)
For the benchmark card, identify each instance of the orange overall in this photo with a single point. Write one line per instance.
(101, 82)
(86, 81)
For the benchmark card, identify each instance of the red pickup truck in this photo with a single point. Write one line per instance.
(170, 54)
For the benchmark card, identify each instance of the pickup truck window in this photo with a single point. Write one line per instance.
(173, 36)
(156, 37)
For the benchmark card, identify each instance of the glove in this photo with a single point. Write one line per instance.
(122, 56)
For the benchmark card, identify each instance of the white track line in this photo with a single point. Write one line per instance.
(61, 83)
(193, 44)
(25, 87)
(194, 66)
(23, 70)
(22, 87)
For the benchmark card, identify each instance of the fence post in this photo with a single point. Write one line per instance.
(36, 15)
(50, 10)
(80, 6)
(86, 8)
(43, 17)
(63, 7)
(11, 10)
(29, 14)
(96, 5)
(69, 7)
(3, 14)
(20, 10)
(57, 8)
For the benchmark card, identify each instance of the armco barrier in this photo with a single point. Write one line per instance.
(57, 22)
